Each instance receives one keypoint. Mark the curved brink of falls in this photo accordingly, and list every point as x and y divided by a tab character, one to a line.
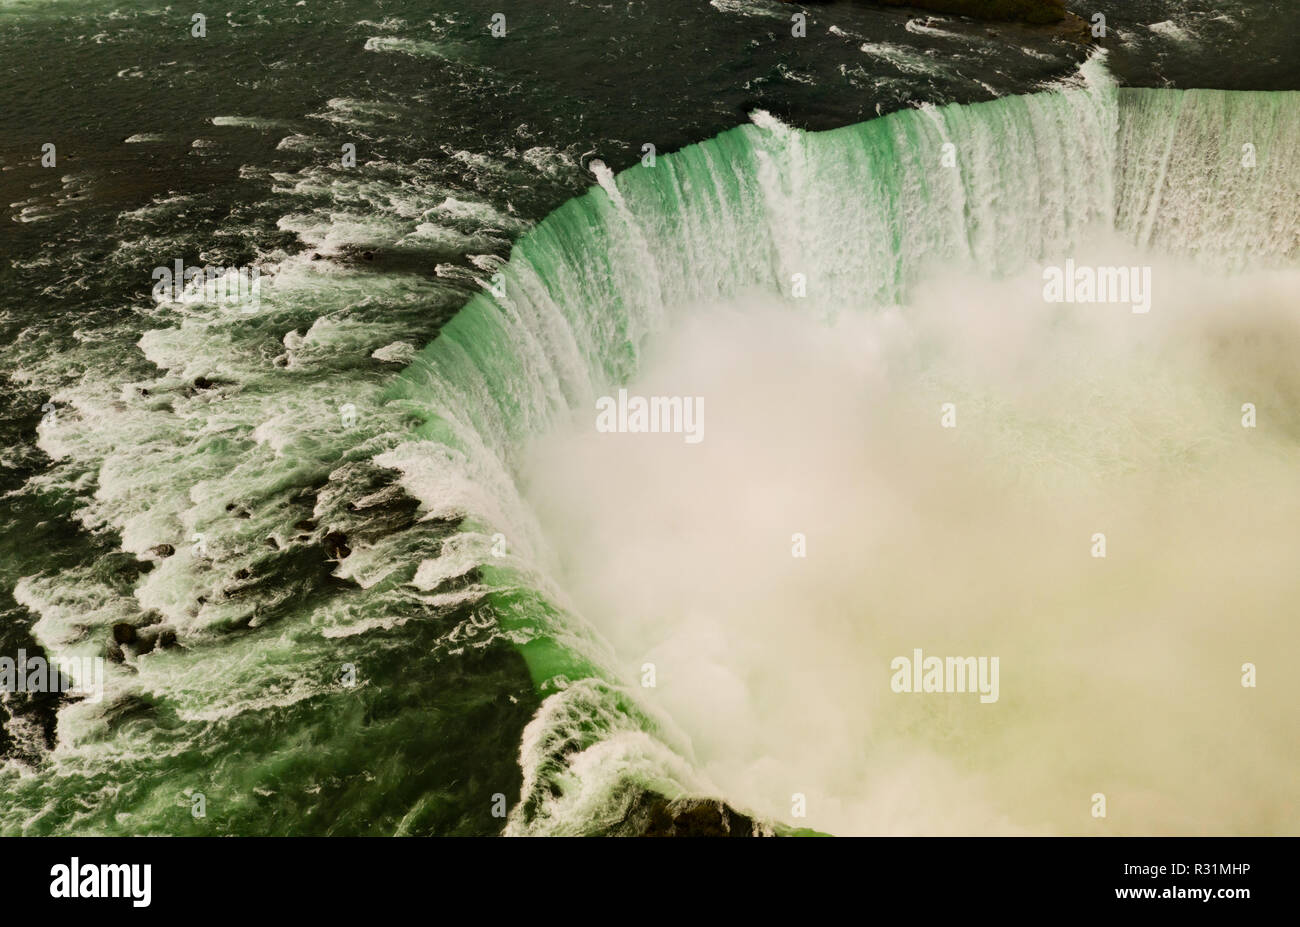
860	211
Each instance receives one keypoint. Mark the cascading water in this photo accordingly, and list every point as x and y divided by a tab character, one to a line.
866	214
902	257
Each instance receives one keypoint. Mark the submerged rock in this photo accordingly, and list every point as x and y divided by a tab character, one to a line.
158	638
336	545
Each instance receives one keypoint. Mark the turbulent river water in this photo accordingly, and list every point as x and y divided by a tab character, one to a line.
358	562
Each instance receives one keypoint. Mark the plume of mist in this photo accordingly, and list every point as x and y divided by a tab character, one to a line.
1119	675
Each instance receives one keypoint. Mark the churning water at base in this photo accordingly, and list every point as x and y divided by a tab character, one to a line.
823	418
923	287
1117	675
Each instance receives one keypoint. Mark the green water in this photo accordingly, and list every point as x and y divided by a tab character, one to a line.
404	687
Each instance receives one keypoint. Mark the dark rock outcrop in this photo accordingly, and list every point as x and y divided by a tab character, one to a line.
653	815
336	545
156	638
